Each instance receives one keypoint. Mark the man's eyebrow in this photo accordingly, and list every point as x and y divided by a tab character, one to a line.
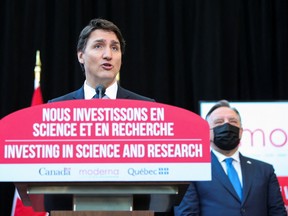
104	41
234	118
115	42
98	41
218	119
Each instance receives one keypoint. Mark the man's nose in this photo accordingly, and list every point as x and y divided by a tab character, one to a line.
107	54
226	121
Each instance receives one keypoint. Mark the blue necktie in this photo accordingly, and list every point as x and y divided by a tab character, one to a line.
233	176
96	96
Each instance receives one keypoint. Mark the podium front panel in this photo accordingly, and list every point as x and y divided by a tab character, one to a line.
102	213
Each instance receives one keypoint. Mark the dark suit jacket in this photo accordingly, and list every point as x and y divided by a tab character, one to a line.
122	93
261	193
64	202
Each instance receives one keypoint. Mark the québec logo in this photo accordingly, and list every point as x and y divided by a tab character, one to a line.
55	172
163	171
144	171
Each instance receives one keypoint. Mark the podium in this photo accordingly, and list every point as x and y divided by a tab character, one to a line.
101	198
103	153
102	213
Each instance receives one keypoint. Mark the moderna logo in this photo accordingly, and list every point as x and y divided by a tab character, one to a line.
276	137
100	172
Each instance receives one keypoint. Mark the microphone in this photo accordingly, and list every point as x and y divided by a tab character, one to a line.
100	91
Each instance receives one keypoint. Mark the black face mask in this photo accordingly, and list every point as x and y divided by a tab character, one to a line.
226	136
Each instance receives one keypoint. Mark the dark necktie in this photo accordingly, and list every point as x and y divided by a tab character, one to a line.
100	91
233	176
96	96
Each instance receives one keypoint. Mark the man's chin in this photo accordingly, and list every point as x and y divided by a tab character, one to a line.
107	81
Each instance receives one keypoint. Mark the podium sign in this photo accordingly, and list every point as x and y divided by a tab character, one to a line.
104	140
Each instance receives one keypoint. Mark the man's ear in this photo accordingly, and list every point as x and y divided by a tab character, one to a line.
80	57
81	60
240	132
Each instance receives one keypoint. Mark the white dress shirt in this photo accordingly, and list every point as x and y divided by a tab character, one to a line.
110	92
236	163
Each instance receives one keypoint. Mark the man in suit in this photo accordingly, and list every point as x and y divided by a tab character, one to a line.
259	191
99	50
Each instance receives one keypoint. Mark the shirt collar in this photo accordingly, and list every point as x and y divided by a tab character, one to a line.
110	92
222	157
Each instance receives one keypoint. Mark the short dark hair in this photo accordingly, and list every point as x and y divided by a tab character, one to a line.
99	24
222	103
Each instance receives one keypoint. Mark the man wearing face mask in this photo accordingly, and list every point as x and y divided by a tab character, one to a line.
240	186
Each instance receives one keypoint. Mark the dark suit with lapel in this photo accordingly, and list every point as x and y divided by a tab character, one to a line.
261	193
122	93
64	202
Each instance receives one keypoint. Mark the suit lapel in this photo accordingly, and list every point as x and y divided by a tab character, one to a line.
121	93
219	174
79	94
247	175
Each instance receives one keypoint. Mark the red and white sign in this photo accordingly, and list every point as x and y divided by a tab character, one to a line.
104	140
